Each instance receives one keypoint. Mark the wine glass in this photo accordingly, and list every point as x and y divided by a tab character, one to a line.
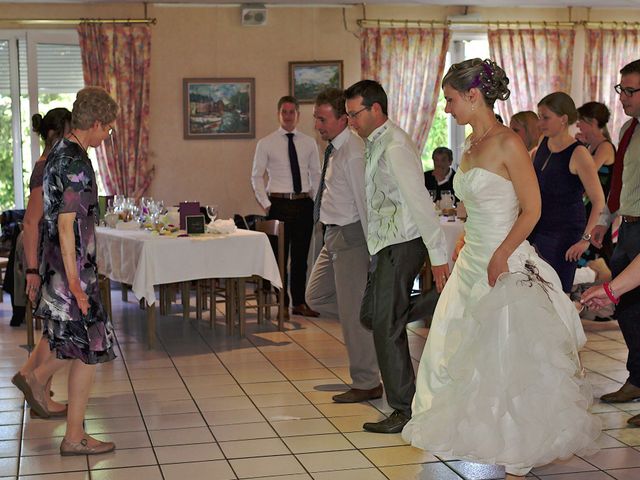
212	211
118	202
144	204
446	199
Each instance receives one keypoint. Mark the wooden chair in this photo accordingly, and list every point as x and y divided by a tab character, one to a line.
274	228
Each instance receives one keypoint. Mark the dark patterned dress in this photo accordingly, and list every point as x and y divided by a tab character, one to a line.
70	186
563	217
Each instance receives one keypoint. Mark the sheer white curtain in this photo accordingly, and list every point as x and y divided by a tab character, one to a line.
608	50
409	64
538	61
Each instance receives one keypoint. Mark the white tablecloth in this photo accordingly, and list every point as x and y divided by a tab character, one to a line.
452	231
144	260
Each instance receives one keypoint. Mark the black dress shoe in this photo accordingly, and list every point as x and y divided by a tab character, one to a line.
394	423
304	310
355	395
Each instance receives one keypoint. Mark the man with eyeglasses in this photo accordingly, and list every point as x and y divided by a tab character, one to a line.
401	226
624	201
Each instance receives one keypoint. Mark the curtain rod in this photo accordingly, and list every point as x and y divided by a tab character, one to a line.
75	21
363	22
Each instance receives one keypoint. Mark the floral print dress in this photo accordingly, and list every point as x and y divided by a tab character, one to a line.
70	187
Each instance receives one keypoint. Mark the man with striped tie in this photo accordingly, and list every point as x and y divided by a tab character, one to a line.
339	276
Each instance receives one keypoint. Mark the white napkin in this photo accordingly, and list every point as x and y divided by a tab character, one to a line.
127	226
222	226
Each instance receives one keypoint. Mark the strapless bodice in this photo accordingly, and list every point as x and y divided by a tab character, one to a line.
492	206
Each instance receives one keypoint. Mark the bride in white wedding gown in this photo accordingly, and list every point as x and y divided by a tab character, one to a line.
500	379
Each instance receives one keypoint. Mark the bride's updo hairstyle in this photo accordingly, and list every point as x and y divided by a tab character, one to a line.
485	75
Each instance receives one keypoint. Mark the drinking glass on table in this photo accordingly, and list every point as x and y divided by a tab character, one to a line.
446	199
144	204
212	212
118	202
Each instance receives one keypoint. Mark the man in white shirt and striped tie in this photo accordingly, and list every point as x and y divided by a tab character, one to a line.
339	276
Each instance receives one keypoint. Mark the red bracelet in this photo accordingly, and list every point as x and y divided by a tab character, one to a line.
609	292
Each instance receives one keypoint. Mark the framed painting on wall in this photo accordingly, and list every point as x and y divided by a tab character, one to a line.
219	108
308	79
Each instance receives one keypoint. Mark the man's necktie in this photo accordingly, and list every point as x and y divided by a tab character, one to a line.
613	202
295	166
318	200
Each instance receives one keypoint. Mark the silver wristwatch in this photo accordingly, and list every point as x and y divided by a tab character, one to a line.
586	237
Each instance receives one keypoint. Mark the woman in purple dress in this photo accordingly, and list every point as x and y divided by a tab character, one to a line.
75	321
565	171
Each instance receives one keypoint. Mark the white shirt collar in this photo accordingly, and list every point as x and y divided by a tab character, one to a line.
283	132
378	131
341	138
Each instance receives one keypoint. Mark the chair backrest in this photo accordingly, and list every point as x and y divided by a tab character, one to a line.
275	228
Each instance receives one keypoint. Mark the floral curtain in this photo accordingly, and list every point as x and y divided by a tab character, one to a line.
117	58
409	63
608	50
537	62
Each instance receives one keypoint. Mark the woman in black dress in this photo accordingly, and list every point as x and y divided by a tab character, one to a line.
565	171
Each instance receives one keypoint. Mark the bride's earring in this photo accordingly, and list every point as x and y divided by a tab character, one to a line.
473	107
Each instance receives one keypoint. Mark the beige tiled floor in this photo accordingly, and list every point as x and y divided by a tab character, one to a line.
201	405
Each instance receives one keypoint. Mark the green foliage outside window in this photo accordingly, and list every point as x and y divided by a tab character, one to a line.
438	135
6	156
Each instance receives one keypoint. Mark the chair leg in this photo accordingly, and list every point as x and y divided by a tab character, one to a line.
163	299
185	300
28	319
230	306
125	292
198	300
213	313
281	308
260	300
241	306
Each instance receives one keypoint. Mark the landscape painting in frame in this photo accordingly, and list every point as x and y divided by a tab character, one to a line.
219	108
308	79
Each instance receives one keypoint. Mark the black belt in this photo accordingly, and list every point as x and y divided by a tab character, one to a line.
290	196
630	219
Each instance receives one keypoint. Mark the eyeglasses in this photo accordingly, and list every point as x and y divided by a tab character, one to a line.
354	115
628	91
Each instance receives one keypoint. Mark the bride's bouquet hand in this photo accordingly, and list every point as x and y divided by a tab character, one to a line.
497	266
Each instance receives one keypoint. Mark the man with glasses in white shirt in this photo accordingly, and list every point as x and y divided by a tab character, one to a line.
339	276
624	201
401	225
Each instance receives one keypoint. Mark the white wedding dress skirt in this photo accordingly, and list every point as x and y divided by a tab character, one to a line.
500	379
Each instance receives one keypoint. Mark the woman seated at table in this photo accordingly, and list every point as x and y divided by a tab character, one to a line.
441	177
75	321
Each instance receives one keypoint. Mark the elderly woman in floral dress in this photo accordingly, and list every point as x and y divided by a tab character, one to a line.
75	321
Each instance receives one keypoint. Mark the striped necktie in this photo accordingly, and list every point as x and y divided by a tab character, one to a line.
318	199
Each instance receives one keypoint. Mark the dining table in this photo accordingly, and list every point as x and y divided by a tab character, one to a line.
145	260
453	228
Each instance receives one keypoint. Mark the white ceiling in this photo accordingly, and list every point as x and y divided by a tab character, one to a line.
479	3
